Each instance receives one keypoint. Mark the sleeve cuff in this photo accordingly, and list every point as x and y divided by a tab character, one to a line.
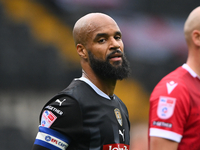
165	134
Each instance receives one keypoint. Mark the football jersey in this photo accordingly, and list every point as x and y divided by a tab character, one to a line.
175	108
82	117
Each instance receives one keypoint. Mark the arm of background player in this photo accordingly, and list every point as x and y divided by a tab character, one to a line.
157	143
159	134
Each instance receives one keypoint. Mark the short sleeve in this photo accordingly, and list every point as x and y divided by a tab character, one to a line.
63	114
169	109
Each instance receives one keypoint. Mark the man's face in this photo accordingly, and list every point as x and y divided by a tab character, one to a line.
102	38
105	49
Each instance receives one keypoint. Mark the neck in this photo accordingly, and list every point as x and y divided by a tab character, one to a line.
193	62
105	85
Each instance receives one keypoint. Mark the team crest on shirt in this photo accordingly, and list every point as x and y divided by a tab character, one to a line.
118	116
166	107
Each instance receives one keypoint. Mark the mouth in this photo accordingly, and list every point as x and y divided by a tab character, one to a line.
116	56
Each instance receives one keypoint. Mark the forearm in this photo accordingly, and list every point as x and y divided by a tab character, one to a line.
157	143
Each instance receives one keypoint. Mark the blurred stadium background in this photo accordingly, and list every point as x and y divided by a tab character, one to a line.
38	57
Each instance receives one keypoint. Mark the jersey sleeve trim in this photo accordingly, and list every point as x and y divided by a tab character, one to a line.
51	139
165	134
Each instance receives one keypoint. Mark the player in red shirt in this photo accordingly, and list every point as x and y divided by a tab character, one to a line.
174	118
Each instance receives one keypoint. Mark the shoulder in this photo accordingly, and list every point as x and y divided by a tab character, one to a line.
172	92
70	94
172	84
121	103
76	84
58	115
58	107
119	100
60	104
76	89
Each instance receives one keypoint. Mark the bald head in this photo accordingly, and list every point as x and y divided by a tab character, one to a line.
87	24
192	23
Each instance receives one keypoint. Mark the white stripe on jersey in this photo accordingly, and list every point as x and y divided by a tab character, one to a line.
51	140
165	134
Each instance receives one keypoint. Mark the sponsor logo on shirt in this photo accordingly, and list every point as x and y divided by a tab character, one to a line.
122	134
54	110
118	116
60	102
165	107
116	147
47	118
54	141
43	138
162	124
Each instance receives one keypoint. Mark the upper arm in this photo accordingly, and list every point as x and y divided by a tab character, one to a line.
38	147
60	124
157	143
168	111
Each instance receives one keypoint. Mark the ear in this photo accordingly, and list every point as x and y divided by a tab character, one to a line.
196	37
82	52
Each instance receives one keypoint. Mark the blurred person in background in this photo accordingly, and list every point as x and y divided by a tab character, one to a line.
174	118
87	114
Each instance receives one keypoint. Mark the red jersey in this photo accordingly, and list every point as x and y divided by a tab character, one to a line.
175	108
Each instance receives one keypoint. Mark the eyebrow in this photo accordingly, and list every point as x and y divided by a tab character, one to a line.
105	35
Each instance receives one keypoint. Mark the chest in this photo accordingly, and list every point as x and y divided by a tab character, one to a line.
194	114
105	121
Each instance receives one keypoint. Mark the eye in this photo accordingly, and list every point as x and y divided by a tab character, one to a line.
117	37
101	40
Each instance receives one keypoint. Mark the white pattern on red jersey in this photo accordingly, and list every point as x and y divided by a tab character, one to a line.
170	86
166	107
183	126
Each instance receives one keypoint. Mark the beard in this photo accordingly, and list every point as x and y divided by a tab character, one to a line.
105	70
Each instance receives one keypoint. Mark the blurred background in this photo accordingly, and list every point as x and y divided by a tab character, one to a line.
38	57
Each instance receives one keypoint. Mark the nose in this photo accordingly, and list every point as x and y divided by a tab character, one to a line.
114	44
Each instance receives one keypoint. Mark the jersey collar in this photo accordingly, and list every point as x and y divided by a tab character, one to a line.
96	89
186	67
